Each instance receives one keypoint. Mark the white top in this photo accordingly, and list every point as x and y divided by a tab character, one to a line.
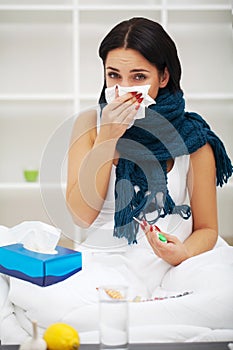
100	234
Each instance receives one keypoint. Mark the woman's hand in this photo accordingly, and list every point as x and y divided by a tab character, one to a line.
173	251
119	114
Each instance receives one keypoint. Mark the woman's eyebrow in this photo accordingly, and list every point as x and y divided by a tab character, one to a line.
131	71
112	68
139	70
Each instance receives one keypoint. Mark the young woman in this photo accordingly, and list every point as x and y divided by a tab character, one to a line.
139	154
107	153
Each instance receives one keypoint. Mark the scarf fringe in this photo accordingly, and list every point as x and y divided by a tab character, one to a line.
183	210
224	169
131	230
128	228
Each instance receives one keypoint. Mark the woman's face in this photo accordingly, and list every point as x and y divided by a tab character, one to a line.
127	67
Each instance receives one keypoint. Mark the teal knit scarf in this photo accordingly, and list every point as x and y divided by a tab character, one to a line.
166	132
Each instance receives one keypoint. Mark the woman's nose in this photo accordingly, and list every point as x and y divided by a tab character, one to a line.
126	82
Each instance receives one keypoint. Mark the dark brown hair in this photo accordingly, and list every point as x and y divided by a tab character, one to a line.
151	41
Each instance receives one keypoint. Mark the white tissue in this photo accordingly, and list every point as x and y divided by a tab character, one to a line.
36	236
147	100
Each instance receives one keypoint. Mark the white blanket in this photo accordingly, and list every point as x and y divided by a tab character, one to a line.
196	299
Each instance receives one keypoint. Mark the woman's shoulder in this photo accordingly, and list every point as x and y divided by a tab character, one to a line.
202	163
85	122
86	118
204	155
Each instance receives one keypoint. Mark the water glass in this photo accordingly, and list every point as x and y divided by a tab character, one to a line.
113	317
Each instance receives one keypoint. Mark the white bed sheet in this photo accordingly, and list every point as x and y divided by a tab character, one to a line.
206	314
17	327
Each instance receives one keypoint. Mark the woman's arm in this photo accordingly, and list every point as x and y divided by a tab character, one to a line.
203	197
202	191
91	155
88	170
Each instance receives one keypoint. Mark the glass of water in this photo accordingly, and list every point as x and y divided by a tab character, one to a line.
113	317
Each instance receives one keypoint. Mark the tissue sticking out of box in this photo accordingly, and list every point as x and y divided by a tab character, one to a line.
37	268
40	237
31	253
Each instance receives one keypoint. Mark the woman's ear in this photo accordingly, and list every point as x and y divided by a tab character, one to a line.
164	78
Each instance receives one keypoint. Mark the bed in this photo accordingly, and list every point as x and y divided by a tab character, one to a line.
194	303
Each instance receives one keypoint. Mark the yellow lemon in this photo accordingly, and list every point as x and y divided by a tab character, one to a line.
61	336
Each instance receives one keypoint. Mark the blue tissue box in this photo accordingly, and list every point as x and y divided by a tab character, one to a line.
38	268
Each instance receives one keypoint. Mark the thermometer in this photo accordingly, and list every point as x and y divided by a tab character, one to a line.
160	236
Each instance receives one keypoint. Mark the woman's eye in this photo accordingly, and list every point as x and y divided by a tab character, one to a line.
113	75
140	76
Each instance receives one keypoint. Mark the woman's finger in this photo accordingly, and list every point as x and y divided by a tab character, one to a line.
170	238
128	114
121	101
116	92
